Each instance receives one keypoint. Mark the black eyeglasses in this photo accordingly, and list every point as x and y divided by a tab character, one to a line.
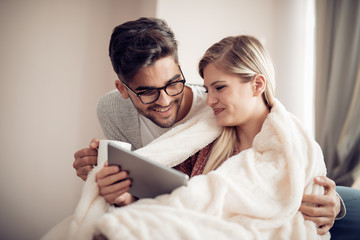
152	95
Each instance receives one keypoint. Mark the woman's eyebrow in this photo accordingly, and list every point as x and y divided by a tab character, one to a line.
213	83
216	82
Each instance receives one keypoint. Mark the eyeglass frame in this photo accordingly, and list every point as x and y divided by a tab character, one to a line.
159	89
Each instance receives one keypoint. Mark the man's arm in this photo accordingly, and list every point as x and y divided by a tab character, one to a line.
322	209
86	159
114	185
112	182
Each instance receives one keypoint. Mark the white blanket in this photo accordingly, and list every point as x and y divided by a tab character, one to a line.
255	194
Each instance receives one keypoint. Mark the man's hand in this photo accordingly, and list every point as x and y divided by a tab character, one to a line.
321	209
86	159
114	185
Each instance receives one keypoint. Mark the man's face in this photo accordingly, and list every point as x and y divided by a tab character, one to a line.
164	111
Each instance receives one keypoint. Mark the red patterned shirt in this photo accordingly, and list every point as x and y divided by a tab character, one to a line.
195	164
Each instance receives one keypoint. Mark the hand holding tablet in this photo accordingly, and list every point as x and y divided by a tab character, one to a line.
149	179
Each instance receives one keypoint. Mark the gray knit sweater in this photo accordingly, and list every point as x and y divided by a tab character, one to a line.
119	119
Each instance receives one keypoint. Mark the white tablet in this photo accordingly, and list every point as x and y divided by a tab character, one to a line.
149	179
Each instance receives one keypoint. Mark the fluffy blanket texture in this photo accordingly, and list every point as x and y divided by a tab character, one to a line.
255	194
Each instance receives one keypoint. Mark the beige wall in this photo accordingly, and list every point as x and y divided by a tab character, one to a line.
54	67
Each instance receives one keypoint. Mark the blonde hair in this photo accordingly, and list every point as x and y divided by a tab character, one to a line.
244	56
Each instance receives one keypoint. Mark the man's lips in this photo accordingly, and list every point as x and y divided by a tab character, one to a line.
217	110
162	110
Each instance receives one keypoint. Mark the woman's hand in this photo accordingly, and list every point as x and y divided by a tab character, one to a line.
321	209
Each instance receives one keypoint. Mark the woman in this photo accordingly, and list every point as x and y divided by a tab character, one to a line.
251	172
239	79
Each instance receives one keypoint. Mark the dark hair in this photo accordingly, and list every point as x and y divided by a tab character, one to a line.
137	44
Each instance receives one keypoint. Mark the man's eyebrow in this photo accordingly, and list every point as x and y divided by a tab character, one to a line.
144	88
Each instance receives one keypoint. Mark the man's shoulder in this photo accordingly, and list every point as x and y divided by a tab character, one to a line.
111	96
112	103
199	94
196	87
119	118
198	91
113	100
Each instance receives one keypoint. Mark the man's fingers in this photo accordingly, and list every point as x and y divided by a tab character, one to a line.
84	157
85	161
122	186
318	211
321	209
124	199
112	183
82	172
94	144
83	177
313	199
85	152
104	174
307	210
323	224
112	197
327	183
319	221
320	200
322	230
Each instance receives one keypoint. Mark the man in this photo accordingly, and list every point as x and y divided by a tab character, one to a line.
150	99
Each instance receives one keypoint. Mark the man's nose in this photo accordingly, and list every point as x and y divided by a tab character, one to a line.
164	99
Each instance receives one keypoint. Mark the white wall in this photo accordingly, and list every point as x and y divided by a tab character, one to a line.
199	24
54	67
280	24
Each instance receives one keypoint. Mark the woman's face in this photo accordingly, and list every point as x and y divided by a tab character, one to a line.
232	100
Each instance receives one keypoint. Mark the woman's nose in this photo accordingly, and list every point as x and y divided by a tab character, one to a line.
211	100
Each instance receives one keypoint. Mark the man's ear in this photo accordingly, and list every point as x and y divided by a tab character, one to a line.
122	89
259	84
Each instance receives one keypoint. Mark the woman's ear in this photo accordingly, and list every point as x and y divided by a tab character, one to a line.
122	89
259	84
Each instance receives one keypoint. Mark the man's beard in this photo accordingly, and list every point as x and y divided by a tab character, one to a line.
163	123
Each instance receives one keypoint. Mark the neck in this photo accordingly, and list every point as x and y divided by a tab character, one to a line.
185	103
247	131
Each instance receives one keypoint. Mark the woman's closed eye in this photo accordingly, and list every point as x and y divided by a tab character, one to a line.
220	87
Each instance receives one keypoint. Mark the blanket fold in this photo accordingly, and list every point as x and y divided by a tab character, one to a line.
255	194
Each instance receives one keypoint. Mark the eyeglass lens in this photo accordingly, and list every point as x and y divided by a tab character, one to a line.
172	89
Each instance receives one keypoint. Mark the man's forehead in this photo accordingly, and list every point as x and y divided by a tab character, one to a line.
160	73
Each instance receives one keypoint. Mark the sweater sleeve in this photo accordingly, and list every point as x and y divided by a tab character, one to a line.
105	113
119	119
